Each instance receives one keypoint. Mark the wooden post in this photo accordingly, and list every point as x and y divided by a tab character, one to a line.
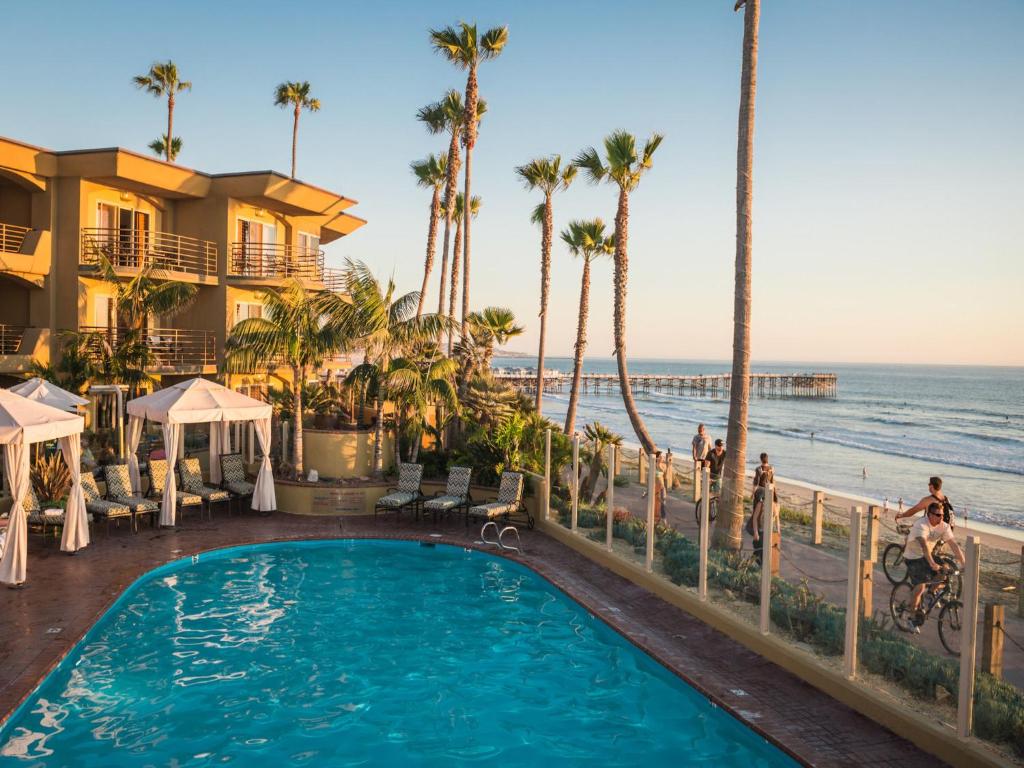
817	516
874	524
696	481
546	504
705	524
641	469
609	498
992	641
649	559
968	639
867	569
575	481
1020	586
767	554
618	461
853	593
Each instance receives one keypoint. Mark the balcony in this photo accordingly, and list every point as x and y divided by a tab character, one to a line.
172	350
21	345
261	262
171	256
12	237
10	338
334	280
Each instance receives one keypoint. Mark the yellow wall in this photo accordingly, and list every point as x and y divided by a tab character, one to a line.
342	454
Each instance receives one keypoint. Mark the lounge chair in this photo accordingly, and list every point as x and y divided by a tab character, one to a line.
119	490
509	503
233	479
407	493
456	494
191	475
100	507
185	501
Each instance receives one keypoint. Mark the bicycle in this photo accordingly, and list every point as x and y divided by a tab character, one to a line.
712	504
901	600
895	566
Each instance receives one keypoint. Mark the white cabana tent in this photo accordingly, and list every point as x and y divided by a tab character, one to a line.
199	401
44	392
23	422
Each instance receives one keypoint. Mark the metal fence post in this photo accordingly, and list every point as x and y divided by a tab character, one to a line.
853	593
575	480
705	524
546	505
817	516
969	639
767	555
609	498
649	559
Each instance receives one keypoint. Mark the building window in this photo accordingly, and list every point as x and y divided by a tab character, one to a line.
245	309
309	245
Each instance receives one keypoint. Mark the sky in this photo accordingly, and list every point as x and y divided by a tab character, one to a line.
887	202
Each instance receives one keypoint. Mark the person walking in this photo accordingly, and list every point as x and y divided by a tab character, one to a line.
701	446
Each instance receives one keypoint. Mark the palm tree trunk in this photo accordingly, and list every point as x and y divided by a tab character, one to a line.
728	526
596	465
298	376
170	125
621	282
378	441
295	137
414	452
435	212
545	286
450	192
455	280
581	344
470	128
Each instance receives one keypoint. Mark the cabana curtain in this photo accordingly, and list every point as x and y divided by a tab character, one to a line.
76	518
134	436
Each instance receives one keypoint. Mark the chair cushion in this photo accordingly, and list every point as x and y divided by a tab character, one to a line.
396	499
119	483
445	502
212	494
89	487
494	509
232	469
191	475
185	499
240	488
107	509
138	505
458	481
157	475
409	477
511	488
31	503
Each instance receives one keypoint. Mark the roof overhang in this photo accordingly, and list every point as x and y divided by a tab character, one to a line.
271	190
136	173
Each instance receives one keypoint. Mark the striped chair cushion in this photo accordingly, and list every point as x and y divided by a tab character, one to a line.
89	487
458	481
444	503
192	482
409	477
494	509
240	488
119	484
231	468
511	488
396	499
31	503
107	509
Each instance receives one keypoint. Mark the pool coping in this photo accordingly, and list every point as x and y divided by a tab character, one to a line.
549	571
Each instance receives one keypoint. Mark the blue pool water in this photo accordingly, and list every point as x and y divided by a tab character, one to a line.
363	653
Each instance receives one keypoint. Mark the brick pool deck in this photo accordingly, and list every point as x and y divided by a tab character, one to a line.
65	595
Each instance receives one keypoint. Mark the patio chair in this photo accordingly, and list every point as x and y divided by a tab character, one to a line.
100	507
509	502
119	490
186	501
233	479
407	493
456	494
191	475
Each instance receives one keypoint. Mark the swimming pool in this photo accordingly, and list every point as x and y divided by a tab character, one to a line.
363	653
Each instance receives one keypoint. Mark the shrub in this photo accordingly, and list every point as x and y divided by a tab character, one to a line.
621	481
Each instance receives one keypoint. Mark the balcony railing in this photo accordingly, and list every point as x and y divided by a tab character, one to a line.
131	249
274	261
334	280
11	237
10	338
170	348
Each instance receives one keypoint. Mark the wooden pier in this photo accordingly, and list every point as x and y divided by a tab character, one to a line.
710	385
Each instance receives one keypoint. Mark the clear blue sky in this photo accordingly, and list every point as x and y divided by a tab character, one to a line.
888	203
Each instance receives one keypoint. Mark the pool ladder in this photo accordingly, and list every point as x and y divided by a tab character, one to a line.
499	539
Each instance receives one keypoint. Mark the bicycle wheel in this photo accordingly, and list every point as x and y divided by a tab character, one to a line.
949	626
956	581
713	508
893	564
900	609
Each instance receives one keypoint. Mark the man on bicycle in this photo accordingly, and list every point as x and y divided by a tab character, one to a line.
935	496
716	460
921	567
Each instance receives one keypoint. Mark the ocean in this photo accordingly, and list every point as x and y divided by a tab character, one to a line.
888	430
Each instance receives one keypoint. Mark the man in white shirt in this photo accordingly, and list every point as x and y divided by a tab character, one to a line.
921	566
701	445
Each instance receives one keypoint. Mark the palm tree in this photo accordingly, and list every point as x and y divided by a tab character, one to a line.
430	173
162	80
587	240
730	520
622	167
487	329
385	326
295	95
547	175
417	381
459	216
598	438
464	48
292	332
159	147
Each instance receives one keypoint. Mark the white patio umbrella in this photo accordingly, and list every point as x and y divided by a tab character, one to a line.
43	391
23	422
199	401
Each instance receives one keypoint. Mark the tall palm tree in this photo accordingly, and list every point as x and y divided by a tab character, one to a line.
586	239
295	95
465	48
547	175
385	326
430	173
489	328
162	80
292	332
459	216
159	147
447	115
623	167
729	523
